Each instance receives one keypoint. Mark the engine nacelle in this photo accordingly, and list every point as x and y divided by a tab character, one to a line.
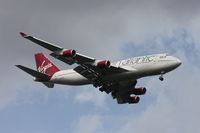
133	99
139	91
103	63
68	53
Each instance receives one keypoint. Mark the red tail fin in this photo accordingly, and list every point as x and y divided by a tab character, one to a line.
44	65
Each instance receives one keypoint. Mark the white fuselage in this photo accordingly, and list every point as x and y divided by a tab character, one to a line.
137	67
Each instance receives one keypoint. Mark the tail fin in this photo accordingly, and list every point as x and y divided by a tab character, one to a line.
44	65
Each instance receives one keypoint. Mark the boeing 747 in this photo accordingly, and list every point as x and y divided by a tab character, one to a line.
118	78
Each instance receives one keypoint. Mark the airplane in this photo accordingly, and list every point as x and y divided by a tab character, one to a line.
118	78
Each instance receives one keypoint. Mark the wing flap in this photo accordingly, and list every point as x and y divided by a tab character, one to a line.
87	72
96	75
80	58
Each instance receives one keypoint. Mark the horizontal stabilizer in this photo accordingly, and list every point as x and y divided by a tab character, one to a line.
33	72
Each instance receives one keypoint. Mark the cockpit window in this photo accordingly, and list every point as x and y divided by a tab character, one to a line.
163	56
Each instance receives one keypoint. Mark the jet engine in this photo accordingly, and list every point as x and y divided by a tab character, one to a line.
68	53
133	99
103	63
139	91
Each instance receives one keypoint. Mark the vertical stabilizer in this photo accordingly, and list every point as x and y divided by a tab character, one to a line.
44	65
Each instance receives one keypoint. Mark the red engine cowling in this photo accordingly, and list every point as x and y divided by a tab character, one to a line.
139	91
103	63
68	53
134	99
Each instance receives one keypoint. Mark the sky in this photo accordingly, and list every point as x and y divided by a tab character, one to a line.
106	29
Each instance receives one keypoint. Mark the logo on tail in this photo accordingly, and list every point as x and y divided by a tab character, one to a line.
44	65
43	68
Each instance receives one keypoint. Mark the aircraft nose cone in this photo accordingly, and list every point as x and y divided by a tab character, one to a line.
178	62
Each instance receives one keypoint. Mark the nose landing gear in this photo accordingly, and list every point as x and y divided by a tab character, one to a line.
161	78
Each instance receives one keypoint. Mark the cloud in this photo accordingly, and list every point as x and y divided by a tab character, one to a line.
175	110
88	95
88	124
176	106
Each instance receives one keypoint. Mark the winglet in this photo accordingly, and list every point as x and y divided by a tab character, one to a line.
23	34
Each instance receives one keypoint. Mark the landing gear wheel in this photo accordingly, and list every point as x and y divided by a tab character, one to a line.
161	78
113	94
101	89
97	84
